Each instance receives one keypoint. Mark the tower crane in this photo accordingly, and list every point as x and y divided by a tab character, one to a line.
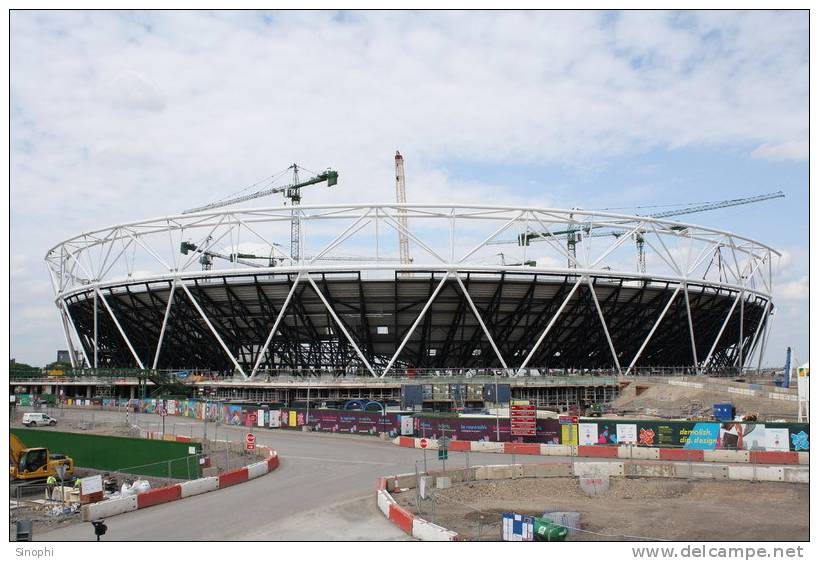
207	256
401	198
250	259
292	192
574	233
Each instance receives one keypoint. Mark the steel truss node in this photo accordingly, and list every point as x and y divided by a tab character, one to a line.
133	299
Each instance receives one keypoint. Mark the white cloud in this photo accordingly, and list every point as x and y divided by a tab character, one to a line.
798	289
38	313
132	90
17	267
791	150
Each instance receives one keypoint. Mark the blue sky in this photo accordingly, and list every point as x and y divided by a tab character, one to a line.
117	116
669	177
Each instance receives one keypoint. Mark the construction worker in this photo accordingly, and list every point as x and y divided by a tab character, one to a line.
51	483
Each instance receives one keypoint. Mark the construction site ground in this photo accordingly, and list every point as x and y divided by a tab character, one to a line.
631	510
646	397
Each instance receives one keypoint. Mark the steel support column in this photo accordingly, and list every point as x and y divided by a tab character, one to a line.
341	326
164	324
691	328
480	321
275	325
741	331
76	332
653	329
96	332
551	324
72	353
119	328
603	322
414	324
719	335
762	319
212	330
765	336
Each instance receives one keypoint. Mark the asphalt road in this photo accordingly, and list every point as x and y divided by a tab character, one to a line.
322	490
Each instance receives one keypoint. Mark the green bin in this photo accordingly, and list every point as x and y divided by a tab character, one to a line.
548	531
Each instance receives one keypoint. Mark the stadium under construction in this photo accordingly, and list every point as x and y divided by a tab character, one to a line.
555	304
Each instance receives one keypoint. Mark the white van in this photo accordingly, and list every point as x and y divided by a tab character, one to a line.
38	419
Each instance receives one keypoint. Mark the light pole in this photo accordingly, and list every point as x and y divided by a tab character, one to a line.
307	416
497	411
383	415
205	419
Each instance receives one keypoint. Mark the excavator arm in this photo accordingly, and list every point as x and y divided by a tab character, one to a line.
16	448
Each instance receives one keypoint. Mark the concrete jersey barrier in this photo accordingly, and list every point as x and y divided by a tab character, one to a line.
160	495
621	452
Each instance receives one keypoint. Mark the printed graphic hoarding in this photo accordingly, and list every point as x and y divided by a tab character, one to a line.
701	435
587	434
626	433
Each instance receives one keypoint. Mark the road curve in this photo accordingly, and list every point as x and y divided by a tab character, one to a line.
322	490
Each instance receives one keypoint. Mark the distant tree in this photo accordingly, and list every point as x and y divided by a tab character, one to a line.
59	366
14	365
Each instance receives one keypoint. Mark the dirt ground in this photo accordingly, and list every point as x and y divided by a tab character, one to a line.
666	400
667	509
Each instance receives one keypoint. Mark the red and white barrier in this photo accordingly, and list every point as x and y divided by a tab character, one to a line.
764	457
401	517
198	486
232	477
681	454
111	507
160	495
429	532
257	469
620	452
732	456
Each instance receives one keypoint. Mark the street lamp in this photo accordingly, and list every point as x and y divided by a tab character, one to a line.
307	417
383	414
497	409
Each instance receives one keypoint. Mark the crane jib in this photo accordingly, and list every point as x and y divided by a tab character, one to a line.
524	239
330	176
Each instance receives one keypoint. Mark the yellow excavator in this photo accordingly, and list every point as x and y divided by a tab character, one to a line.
35	463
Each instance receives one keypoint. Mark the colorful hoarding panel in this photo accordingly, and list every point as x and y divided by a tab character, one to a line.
707	435
568	435
699	435
355	422
799	441
587	434
485	429
777	440
626	433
